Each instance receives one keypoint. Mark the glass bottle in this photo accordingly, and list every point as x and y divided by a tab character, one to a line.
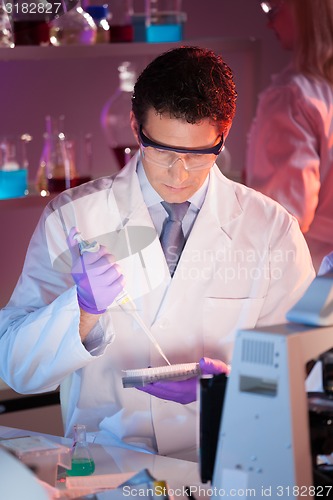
76	27
57	170
115	116
6	32
100	15
164	20
31	22
82	461
121	28
13	171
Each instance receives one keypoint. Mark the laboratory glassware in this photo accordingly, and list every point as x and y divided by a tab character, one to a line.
56	169
6	32
13	169
121	28
115	116
82	460
100	15
75	27
31	21
164	20
58	163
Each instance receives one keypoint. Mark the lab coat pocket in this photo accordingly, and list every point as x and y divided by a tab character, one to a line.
222	318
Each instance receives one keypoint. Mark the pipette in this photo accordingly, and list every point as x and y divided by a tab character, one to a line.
123	299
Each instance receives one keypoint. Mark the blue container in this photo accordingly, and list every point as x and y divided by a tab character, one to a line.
13	183
164	33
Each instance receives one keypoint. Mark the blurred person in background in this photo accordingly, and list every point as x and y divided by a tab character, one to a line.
290	144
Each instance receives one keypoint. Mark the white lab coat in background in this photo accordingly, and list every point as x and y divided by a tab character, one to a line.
290	154
245	263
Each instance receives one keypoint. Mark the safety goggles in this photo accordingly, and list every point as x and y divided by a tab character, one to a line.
166	156
271	8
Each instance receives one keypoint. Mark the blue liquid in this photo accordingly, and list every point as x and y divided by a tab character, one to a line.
13	183
164	33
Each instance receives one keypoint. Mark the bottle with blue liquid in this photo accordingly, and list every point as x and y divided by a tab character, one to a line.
13	169
164	20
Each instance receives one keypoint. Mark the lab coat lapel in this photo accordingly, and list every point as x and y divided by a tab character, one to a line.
127	193
132	208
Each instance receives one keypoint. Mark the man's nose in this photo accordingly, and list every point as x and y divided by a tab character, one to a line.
178	171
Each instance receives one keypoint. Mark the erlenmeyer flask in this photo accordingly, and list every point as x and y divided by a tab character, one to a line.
82	461
115	116
56	171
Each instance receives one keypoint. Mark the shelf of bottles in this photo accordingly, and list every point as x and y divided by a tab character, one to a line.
108	52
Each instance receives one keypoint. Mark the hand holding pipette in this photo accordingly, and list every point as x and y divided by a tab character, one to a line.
96	275
101	283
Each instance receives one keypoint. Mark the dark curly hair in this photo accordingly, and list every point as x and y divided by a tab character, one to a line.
188	83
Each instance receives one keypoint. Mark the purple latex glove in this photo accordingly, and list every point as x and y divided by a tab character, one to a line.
98	279
185	391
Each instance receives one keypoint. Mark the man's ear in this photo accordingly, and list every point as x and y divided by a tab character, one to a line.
226	133
134	126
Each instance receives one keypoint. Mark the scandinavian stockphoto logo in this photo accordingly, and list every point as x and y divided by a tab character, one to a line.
136	249
34	10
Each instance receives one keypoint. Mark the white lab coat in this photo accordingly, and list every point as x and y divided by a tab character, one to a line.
244	264
290	154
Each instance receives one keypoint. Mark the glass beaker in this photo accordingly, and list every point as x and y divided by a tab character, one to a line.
13	170
82	461
121	28
31	22
115	116
79	150
164	20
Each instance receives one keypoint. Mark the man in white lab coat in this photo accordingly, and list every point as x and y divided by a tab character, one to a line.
244	264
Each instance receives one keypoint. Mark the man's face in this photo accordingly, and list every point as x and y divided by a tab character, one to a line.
176	184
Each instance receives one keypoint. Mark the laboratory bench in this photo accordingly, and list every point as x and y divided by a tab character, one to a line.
120	461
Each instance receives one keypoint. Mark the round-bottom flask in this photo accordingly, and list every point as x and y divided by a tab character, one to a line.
75	27
115	117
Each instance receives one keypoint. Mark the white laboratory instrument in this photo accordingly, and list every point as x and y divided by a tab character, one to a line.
264	439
